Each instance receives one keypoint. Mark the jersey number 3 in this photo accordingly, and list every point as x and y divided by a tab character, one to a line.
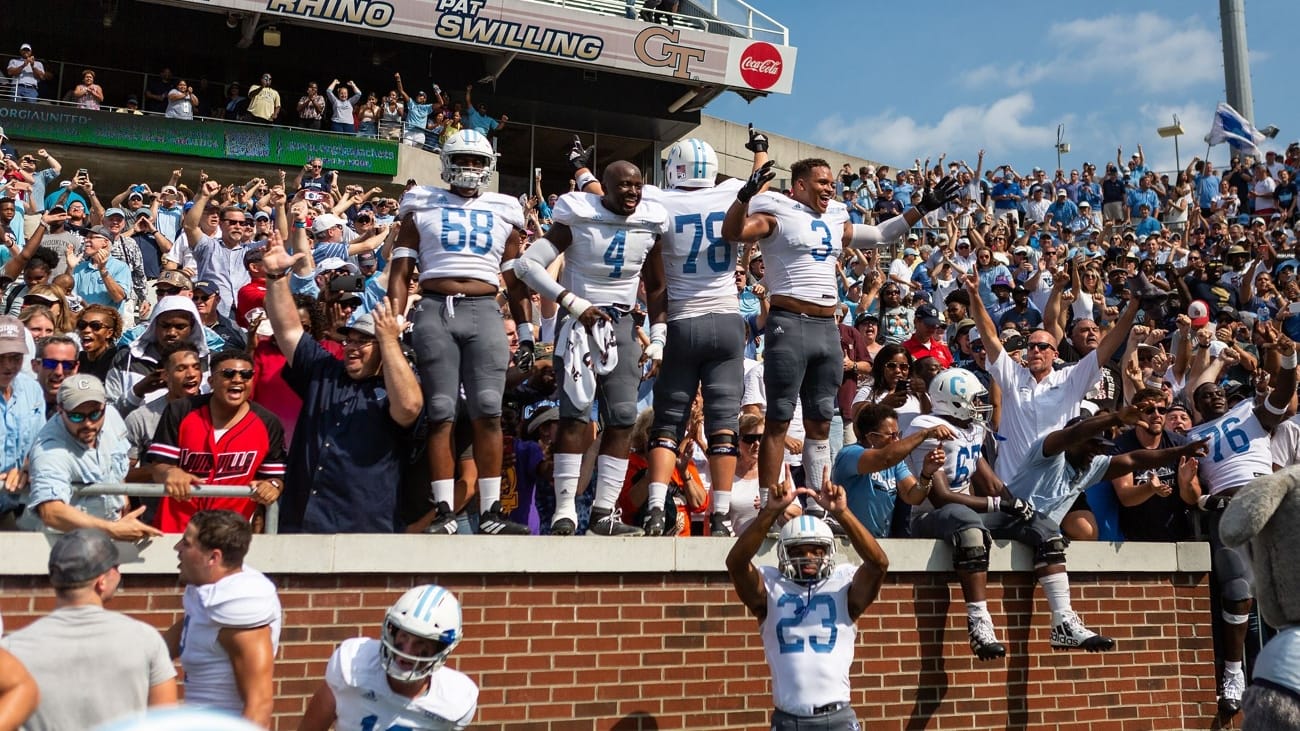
719	253
466	226
820	254
804	611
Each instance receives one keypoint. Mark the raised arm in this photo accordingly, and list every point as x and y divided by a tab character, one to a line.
1115	336
983	322
404	397
280	308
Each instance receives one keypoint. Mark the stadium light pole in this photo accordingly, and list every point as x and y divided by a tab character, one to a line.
1062	147
1173	130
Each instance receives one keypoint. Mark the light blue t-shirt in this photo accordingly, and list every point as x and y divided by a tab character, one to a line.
871	497
60	464
89	283
21	417
1052	484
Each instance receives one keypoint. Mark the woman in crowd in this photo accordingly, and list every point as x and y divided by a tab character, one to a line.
368	114
342	117
746	497
56	301
891	385
89	95
181	101
98	328
235	102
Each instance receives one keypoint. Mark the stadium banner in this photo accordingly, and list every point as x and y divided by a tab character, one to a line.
198	138
546	30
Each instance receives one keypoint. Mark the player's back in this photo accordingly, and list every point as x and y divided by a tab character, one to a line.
699	265
363	699
603	263
462	237
802	249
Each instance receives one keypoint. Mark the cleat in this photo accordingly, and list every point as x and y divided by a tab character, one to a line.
494	523
563	527
1068	633
1234	686
983	641
610	523
653	524
720	526
444	523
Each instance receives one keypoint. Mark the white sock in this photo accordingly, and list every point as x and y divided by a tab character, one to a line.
658	494
444	491
816	457
611	472
721	501
1232	666
975	610
565	472
1056	588
489	492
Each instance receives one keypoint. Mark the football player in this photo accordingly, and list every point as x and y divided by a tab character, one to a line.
801	236
608	241
704	338
807	607
1240	450
461	236
951	511
401	680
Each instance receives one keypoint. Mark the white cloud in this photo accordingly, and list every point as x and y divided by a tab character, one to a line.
1000	128
1143	51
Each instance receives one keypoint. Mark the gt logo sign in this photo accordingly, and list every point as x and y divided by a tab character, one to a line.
760	65
666	51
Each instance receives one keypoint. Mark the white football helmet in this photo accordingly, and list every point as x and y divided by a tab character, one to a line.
691	163
956	392
802	531
429	612
468	142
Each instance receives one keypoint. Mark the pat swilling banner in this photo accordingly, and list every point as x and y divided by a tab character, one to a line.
549	31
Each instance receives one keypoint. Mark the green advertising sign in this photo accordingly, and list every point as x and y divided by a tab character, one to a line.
197	138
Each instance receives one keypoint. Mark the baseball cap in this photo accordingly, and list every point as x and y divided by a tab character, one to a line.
206	287
1002	281
865	317
909	251
168	188
329	264
49	297
1085	204
25	47
364	324
1199	311
81	389
542	418
928	315
132	100
134	194
116	211
11	336
254	253
99	231
965	325
1019	289
1257	221
325	222
80	556
367	258
912	237
1022	250
261	216
1060	193
175	278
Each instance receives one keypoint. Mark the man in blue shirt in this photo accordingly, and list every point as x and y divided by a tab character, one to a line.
1006	194
1142	195
1146	224
99	278
22	411
476	118
1063	211
1206	184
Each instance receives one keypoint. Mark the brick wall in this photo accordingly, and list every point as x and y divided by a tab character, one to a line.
676	650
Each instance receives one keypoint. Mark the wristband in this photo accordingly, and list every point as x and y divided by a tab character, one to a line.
525	332
404	252
659	333
300	224
1270	408
574	304
991	506
1289	361
586	179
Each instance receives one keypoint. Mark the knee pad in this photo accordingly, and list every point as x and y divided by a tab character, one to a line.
723	445
622	415
970	549
662	442
441	408
1051	551
1237	590
1233	575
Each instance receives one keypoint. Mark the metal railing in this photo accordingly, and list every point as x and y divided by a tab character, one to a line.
157	490
741	21
740	15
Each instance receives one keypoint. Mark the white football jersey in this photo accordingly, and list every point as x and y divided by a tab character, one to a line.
699	265
364	700
243	600
603	262
961	455
462	237
808	639
1240	449
802	250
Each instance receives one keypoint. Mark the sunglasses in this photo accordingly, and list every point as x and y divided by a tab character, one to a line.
887	435
1156	410
244	373
77	417
201	298
237	222
167	291
977	347
351	343
94	325
50	364
751	438
1041	346
898	366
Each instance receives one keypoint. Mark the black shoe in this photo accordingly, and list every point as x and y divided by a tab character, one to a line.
720	526
493	522
983	640
653	523
610	523
444	523
1234	686
563	527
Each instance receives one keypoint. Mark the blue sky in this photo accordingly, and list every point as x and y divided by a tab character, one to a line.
896	81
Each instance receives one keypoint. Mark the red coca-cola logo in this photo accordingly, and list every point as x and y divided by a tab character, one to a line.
761	65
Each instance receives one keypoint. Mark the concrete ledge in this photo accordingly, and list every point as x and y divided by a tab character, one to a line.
27	554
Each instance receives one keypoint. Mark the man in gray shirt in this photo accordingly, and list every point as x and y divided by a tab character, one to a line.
92	665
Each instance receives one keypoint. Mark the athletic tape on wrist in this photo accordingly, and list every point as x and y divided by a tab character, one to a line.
404	252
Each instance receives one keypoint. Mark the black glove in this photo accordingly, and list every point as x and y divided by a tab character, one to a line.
757	141
1018	509
756	181
524	356
944	192
579	156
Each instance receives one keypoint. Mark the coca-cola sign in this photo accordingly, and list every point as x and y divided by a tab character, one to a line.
761	65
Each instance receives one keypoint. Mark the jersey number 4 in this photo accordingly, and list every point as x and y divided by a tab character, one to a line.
463	227
614	254
368	724
790	643
719	252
